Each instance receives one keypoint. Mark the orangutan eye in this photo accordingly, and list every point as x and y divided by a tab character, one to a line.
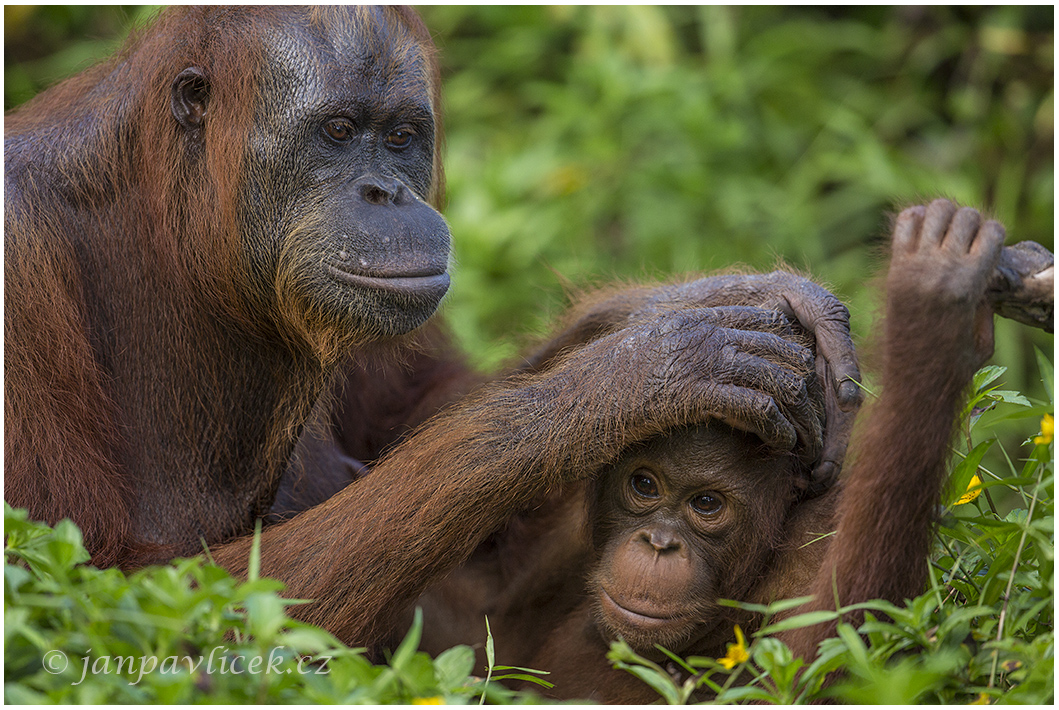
643	485
400	139
339	130
707	503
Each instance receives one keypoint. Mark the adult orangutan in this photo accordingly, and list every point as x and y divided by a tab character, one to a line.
685	518
200	231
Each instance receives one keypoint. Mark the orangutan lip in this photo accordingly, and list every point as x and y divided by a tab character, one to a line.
635	617
408	285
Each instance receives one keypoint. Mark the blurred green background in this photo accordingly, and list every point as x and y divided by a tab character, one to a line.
585	144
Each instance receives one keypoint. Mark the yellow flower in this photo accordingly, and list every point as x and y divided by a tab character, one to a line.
736	651
436	700
982	699
1047	430
973	489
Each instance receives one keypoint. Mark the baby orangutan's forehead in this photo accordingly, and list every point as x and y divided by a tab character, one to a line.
706	446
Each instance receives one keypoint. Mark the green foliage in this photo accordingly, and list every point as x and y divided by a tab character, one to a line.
982	632
188	632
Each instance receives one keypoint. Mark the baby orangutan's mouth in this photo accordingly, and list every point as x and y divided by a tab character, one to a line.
646	625
638	619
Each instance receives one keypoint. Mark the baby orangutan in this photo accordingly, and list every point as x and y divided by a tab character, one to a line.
679	522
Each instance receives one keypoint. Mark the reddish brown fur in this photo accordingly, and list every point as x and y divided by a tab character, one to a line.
494	452
150	397
81	481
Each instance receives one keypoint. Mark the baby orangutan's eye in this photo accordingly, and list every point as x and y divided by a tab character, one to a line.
643	485
708	503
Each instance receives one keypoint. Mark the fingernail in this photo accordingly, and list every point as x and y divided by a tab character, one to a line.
848	392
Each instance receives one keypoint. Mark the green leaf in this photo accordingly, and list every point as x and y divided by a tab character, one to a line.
266	615
490	658
1044	366
801	620
964	471
519	668
453	666
857	651
767	609
490	654
749	694
253	568
1010	397
526	677
660	682
676	659
408	647
986	375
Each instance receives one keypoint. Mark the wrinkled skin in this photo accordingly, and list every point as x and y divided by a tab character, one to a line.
805	303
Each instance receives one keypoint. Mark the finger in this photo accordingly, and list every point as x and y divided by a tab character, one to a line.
936	222
750	371
752	411
837	365
850	395
809	427
962	230
836	441
988	242
771	347
826	317
753	318
787	389
906	230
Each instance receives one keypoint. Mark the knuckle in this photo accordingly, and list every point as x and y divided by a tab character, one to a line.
941	204
912	212
994	229
837	311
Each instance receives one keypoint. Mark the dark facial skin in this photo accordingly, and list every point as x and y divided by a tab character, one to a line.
676	521
352	140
